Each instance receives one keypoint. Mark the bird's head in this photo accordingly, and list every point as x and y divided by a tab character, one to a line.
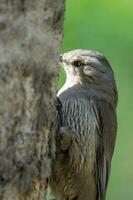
87	67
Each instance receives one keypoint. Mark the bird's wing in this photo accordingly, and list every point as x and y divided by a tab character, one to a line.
81	113
105	115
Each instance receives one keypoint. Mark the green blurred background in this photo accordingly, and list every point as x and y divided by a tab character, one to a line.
107	26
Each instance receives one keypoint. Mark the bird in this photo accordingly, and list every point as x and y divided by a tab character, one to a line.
86	137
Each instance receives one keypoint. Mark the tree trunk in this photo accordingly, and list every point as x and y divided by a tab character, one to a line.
30	36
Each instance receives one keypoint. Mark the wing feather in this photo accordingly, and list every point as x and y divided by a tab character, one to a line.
105	141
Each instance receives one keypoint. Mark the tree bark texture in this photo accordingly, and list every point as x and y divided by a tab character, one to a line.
30	36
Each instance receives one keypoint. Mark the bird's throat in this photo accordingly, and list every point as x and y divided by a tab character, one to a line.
69	83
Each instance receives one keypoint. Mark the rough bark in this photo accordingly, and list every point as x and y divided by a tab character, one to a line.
30	36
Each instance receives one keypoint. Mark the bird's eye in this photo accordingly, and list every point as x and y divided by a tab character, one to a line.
77	63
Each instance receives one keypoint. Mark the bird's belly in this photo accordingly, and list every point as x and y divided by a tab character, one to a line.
71	177
74	173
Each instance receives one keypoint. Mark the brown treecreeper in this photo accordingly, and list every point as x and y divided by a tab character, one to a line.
86	140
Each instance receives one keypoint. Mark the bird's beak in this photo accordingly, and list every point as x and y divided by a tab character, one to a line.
60	59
